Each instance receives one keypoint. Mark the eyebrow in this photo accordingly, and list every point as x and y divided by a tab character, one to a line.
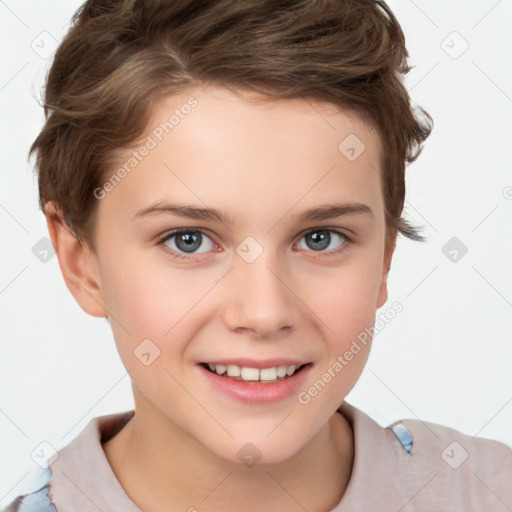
322	212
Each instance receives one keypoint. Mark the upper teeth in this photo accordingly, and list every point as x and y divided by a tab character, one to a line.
246	373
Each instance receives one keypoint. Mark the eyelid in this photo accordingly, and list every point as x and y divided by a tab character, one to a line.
176	231
345	232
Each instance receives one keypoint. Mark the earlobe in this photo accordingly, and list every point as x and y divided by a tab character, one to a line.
77	263
383	293
382	296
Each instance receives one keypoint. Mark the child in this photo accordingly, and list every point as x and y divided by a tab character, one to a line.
194	155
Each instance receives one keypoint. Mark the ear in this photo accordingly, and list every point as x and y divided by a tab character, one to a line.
382	296
78	263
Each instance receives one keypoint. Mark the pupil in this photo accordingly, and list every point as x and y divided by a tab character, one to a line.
321	238
188	242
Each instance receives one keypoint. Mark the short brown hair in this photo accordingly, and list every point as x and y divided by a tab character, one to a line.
120	57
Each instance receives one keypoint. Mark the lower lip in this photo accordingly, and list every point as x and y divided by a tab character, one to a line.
256	392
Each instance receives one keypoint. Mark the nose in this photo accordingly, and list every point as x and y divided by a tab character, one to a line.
260	301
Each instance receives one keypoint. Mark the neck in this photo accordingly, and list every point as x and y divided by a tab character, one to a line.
170	470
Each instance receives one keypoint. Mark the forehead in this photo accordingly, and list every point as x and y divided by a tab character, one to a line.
212	146
219	116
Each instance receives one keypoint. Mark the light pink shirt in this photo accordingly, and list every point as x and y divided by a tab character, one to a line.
441	470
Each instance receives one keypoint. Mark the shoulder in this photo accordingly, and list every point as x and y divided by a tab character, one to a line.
413	465
456	447
432	443
34	497
455	468
77	475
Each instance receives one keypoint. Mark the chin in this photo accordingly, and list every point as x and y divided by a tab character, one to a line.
259	451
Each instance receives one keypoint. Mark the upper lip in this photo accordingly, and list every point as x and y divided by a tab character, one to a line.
255	363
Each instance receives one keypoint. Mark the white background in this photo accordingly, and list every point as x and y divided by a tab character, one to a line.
446	358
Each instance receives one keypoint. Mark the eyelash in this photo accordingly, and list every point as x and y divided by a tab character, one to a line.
335	252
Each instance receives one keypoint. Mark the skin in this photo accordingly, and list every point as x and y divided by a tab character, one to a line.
262	163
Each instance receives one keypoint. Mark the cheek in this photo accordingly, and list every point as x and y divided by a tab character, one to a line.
345	313
345	299
150	296
156	302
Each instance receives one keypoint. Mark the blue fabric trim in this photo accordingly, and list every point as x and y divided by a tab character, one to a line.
34	497
37	479
36	502
404	435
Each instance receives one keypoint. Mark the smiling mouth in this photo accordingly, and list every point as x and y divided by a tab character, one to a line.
248	374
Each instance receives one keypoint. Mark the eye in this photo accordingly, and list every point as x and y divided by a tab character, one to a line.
186	241
318	240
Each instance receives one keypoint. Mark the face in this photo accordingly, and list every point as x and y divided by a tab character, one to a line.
261	283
